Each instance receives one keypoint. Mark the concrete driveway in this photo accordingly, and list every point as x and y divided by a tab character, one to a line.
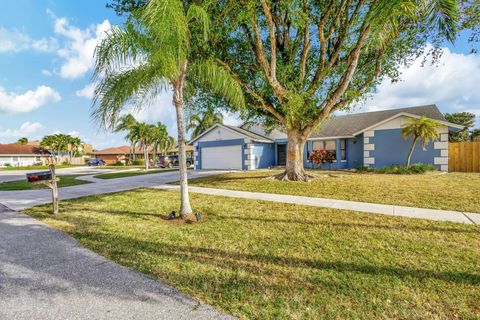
45	274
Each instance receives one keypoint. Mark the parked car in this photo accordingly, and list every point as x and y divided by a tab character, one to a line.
95	162
172	161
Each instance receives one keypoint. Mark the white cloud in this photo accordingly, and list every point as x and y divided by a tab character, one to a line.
27	101
74	133
16	41
79	48
87	91
46	73
453	85
27	129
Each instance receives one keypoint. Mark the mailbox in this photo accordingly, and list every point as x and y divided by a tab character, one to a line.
39	176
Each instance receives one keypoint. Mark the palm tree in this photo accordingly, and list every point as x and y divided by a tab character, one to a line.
73	147
202	121
159	137
162	46
23	140
125	123
141	133
422	128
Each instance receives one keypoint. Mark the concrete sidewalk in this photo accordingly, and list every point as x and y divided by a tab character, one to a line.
45	274
391	210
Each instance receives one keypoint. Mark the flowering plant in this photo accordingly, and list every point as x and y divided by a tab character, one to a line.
319	157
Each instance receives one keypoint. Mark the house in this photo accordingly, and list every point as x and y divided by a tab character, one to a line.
363	139
19	155
122	153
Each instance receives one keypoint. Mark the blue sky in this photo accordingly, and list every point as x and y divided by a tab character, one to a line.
45	72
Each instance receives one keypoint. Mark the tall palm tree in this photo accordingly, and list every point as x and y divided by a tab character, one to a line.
141	133
201	121
424	129
162	45
126	123
23	140
159	137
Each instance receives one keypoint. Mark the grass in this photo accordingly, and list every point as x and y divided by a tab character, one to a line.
264	260
62	166
119	167
452	191
65	181
115	175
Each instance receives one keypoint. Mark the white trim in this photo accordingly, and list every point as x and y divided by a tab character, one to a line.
329	138
368	147
366	154
440	160
444	167
229	129
440	145
366	140
369	133
369	160
444	137
444	153
406	114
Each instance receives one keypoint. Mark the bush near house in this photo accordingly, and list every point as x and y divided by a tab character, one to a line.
320	157
416	168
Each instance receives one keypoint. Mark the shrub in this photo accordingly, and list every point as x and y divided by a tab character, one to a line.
138	162
319	157
416	168
119	163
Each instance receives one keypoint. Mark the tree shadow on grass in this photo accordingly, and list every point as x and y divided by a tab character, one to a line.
353	225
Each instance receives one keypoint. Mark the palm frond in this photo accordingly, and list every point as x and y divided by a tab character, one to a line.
219	80
134	87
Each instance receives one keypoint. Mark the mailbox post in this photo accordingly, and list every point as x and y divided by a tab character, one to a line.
48	178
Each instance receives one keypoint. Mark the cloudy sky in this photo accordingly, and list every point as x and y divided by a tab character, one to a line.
46	49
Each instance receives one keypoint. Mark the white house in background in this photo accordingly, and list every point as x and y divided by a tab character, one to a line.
19	155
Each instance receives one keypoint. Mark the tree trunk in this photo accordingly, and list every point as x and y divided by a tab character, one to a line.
294	170
54	188
145	154
411	152
178	85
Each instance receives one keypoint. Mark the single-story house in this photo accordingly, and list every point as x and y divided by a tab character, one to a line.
19	155
122	153
363	139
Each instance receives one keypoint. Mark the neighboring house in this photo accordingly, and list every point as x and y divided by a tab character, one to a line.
18	155
363	139
122	153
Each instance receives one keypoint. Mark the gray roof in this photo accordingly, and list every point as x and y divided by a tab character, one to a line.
250	134
339	126
348	125
273	134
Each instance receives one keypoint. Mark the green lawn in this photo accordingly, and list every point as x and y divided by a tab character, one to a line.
65	181
115	175
451	191
264	260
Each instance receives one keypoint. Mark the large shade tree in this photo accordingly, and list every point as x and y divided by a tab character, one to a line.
162	45
299	61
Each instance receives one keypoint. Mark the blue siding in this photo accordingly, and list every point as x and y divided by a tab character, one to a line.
264	154
392	149
355	152
219	143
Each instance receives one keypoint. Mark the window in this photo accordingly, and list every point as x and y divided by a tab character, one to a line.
15	159
343	149
38	159
327	145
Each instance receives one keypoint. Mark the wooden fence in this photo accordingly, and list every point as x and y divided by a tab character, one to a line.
464	156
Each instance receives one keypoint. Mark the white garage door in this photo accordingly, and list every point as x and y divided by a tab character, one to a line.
227	157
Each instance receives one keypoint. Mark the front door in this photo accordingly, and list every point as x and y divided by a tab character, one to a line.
281	154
